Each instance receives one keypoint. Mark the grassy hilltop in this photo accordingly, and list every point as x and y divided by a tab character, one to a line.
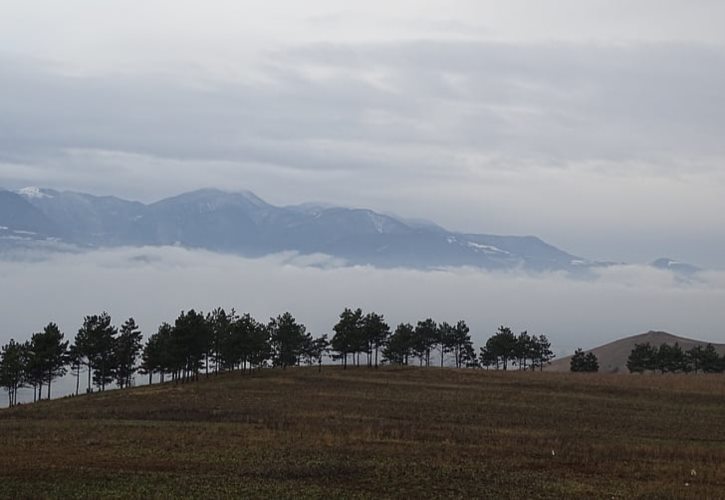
376	433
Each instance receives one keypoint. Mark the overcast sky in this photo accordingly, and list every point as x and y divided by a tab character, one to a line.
596	125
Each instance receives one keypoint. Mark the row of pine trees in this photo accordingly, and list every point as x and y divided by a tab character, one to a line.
674	359
102	354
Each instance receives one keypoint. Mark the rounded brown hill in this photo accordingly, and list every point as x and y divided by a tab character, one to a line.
613	356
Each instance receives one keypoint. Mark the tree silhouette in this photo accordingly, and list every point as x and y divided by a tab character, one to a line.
220	324
501	348
287	338
94	342
584	362
542	352
189	342
126	349
399	346
375	331
348	334
425	339
671	358
50	350
75	360
12	370
642	358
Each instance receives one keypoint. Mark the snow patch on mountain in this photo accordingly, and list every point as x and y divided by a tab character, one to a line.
486	248
33	192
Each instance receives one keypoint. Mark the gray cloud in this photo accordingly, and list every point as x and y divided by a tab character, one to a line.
555	104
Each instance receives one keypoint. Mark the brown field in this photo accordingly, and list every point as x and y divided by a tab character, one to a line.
364	433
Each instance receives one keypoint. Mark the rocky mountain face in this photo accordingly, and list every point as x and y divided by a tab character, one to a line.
242	223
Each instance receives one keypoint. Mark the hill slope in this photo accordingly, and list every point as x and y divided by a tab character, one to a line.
365	433
613	356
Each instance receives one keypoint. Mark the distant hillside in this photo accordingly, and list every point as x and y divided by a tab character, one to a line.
613	356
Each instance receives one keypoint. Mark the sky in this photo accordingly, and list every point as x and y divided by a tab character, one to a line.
595	125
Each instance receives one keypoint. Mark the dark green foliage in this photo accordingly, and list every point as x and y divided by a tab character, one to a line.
526	351
12	369
642	358
315	349
457	341
399	346
94	343
45	358
374	332
672	359
189	345
127	347
500	349
157	354
287	339
348	338
581	362
542	353
705	359
425	339
75	361
247	343
357	333
220	351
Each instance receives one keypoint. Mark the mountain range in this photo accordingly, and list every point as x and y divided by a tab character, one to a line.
244	224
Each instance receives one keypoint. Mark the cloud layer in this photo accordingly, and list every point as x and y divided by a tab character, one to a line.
154	284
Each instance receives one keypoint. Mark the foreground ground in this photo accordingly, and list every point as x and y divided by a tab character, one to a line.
376	433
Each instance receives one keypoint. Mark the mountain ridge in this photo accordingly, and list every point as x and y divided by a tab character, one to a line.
241	222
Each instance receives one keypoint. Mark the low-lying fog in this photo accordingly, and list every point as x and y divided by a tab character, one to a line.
154	284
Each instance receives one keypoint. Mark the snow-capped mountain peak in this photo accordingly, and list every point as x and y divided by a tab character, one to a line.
33	192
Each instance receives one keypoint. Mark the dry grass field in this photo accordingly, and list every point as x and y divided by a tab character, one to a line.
386	433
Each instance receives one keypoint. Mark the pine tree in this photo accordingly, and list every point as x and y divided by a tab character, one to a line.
94	342
12	370
287	339
500	348
399	346
127	347
347	336
584	362
542	352
425	339
375	331
642	358
51	350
